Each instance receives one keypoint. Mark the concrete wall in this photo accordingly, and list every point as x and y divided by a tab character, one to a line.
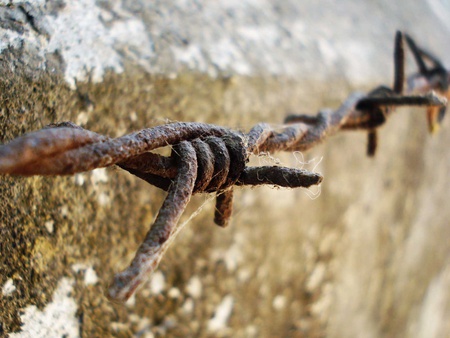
369	257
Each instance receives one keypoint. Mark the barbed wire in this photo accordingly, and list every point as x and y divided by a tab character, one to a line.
211	159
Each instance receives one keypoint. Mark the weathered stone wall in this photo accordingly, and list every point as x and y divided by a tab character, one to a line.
369	257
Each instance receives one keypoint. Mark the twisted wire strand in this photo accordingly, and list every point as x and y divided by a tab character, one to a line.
149	253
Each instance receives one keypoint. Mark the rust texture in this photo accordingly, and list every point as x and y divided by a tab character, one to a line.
211	159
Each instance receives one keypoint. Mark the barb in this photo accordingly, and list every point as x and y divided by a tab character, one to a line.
149	253
433	76
211	159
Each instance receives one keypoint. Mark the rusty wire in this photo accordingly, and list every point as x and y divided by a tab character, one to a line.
212	159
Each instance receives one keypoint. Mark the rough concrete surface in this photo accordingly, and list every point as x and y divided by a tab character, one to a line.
368	257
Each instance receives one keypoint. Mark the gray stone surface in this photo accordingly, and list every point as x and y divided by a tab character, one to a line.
369	257
317	39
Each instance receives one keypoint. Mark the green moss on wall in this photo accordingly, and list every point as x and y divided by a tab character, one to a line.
49	224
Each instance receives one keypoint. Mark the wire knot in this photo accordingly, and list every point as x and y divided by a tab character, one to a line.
221	161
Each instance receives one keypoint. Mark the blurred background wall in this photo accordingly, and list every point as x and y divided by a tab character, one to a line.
368	257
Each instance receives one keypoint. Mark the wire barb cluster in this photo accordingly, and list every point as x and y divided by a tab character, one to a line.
212	159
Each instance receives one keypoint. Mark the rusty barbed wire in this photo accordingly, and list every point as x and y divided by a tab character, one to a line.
212	159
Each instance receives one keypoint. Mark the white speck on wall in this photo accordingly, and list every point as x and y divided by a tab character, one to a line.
82	118
174	293
169	322
131	302
133	116
79	179
142	323
50	226
99	175
233	257
77	267
194	287
321	307
119	327
223	312
64	210
57	319
244	275
316	277
251	331
103	199
279	302
188	306
8	288
90	276
157	283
